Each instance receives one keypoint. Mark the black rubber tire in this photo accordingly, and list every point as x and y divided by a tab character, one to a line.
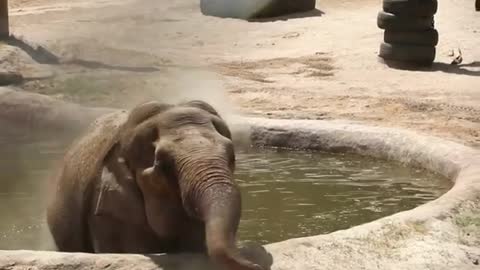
425	38
477	5
419	8
253	9
421	55
389	21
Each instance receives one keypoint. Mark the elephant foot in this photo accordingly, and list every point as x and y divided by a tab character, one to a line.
233	260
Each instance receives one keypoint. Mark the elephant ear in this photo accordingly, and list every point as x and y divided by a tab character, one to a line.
145	111
138	135
217	120
201	105
221	127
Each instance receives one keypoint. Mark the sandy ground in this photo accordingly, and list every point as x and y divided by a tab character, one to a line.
319	65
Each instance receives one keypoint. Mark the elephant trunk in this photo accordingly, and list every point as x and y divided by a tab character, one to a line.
220	207
209	194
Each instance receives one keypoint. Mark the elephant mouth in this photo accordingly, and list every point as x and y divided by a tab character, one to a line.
161	181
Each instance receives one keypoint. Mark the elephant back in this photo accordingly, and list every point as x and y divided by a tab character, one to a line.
73	188
86	156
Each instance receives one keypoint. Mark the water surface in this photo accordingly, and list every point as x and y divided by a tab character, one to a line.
290	194
285	194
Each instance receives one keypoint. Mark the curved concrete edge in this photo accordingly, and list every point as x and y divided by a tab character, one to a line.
453	160
45	260
31	112
442	234
42	260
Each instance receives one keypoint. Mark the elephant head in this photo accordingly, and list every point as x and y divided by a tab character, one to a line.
185	153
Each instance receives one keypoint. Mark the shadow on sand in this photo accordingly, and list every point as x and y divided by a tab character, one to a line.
42	55
298	15
462	69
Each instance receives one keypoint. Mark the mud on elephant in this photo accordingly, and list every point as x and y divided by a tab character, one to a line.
155	179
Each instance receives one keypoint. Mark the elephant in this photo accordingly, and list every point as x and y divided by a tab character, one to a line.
155	179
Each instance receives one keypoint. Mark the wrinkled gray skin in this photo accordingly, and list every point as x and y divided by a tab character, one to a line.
159	182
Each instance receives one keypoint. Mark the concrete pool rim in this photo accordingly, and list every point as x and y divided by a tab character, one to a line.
457	162
437	235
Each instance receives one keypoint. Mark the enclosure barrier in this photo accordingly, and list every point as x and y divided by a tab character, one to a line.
4	24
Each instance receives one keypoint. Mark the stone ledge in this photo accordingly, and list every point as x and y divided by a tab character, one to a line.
40	260
29	111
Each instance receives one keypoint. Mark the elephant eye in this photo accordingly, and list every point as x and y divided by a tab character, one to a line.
221	127
232	160
230	154
164	161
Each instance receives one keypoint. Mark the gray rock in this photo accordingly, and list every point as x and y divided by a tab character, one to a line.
29	111
10	77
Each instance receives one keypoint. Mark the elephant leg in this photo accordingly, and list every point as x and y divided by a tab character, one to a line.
104	234
110	235
66	228
117	222
193	237
163	209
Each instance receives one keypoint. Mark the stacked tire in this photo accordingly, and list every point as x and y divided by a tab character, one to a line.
410	36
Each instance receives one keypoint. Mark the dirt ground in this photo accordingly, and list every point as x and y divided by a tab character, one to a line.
318	65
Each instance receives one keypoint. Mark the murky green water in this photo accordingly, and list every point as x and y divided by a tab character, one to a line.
25	164
285	194
292	194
